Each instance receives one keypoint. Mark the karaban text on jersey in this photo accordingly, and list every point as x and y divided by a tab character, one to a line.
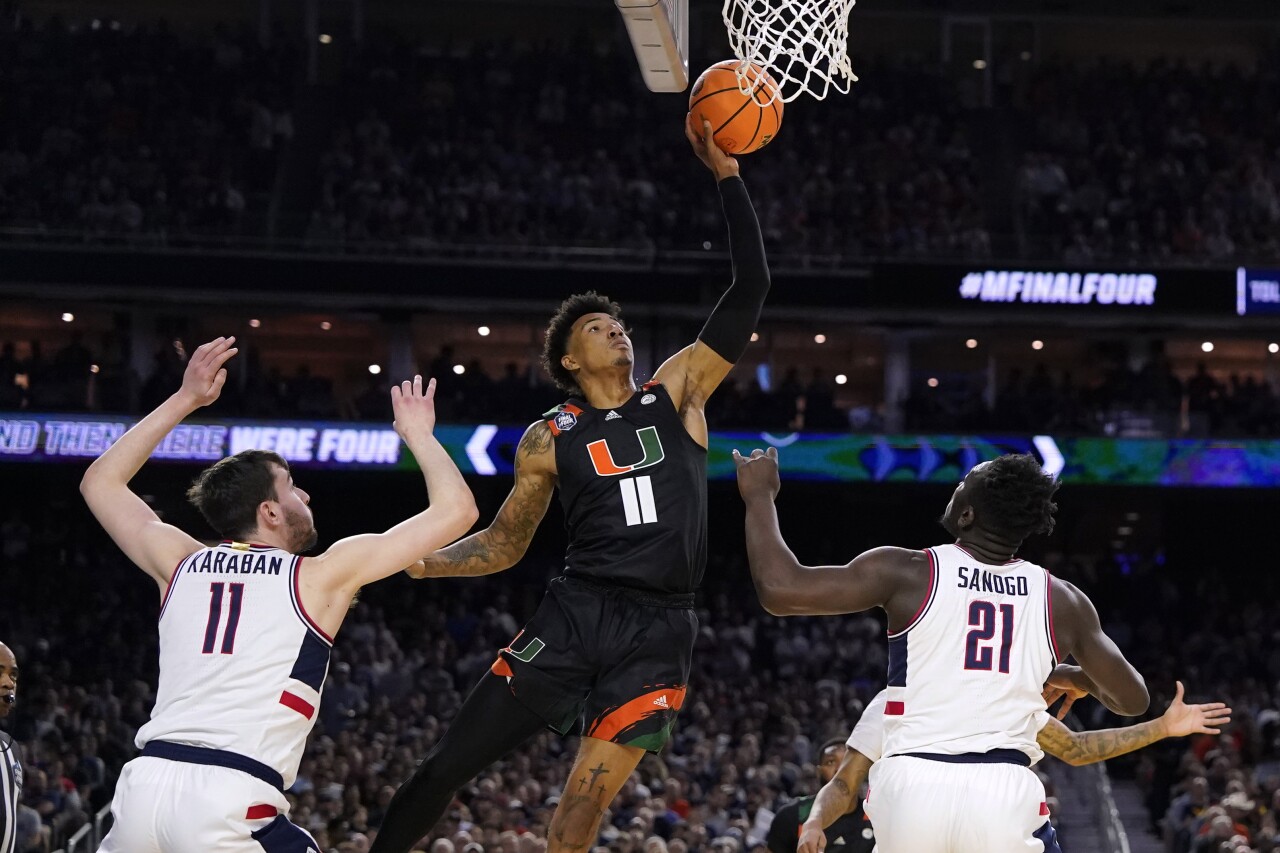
217	562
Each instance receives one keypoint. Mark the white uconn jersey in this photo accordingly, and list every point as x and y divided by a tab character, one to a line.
966	674
241	664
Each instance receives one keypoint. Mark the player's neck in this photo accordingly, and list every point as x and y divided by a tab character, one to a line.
988	549
607	390
260	537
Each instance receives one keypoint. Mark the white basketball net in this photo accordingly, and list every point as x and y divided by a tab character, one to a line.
803	43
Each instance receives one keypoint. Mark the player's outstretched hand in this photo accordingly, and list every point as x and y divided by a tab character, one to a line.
812	840
758	474
704	145
1064	681
1182	719
414	408
205	375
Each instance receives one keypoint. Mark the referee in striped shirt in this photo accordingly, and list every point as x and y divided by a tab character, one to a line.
10	769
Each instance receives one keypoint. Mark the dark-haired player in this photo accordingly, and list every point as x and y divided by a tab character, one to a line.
849	831
245	625
607	653
975	634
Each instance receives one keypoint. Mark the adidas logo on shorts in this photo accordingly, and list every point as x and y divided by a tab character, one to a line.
661	701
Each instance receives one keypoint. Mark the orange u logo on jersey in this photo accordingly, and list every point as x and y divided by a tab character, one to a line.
602	457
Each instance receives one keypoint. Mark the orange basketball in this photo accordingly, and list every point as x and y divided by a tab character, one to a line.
741	123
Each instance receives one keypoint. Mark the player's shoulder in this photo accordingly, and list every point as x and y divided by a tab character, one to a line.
537	438
558	420
1065	592
893	556
535	454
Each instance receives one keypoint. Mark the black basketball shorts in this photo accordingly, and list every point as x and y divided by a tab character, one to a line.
604	661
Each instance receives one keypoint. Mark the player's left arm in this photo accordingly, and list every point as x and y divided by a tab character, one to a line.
1180	720
692	374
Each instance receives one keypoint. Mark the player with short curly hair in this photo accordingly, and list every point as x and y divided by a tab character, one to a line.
607	654
975	634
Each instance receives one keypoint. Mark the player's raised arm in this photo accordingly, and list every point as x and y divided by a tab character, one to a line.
358	560
1179	720
788	588
154	546
1103	669
693	373
501	545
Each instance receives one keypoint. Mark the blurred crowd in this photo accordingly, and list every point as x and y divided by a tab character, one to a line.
135	131
110	129
1166	162
575	158
1205	794
1148	402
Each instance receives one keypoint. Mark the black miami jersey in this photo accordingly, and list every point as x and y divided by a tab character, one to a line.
633	486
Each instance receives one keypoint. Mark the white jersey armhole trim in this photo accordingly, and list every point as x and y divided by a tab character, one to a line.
295	595
1048	621
929	596
173	580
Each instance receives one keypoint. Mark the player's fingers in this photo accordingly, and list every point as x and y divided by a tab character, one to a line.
223	357
772	453
395	393
431	389
219	380
1177	693
757	453
1066	706
737	457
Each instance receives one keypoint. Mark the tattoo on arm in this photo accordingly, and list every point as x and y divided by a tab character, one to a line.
1078	748
835	799
504	542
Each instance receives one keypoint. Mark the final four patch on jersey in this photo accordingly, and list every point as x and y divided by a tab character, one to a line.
566	421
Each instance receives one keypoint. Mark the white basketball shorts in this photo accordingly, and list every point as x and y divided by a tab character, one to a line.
919	805
164	806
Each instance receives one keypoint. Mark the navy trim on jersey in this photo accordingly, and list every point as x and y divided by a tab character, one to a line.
1048	621
295	595
214	758
930	594
313	662
898	661
995	756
